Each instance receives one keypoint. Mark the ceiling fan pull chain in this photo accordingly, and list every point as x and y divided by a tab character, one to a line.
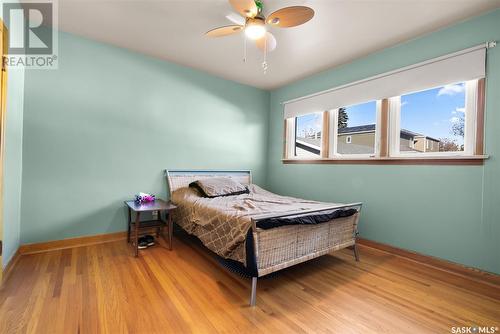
264	63
244	49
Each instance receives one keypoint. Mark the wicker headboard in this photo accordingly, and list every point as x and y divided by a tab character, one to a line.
182	178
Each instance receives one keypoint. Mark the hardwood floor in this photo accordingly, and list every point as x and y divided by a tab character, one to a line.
103	289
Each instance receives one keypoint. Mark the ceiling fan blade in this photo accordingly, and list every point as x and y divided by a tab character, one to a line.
290	16
247	8
224	31
236	19
269	39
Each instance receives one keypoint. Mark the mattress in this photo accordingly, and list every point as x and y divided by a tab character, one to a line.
222	223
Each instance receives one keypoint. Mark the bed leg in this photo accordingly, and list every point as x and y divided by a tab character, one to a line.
356	252
253	294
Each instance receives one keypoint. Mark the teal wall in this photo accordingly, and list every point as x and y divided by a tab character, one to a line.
13	163
451	212
106	123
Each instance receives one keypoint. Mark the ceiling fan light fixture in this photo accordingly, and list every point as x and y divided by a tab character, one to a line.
251	19
255	28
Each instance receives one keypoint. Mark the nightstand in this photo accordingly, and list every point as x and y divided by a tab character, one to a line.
135	227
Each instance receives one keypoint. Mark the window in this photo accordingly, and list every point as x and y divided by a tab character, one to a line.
434	121
427	112
308	129
355	127
437	122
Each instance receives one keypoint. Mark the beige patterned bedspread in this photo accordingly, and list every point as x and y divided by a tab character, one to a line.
222	223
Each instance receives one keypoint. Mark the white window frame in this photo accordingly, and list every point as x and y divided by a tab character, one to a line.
471	90
348	139
290	138
333	135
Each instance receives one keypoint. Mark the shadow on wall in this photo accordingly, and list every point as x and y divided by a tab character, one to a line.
107	123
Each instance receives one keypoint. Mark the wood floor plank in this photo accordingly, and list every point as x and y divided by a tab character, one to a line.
103	289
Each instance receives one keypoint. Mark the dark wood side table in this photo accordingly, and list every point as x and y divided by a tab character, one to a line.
158	205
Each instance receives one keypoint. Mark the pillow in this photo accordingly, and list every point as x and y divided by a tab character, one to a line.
219	186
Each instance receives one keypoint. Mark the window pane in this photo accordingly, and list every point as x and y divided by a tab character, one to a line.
356	129
308	135
433	120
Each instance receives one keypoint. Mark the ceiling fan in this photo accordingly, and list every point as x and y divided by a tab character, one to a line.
254	23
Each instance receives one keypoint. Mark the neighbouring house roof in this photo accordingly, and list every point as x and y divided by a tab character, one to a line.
371	128
311	141
431	138
361	128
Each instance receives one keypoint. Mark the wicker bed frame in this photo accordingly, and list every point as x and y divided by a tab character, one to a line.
284	246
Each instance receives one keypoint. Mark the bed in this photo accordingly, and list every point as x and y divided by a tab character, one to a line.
263	231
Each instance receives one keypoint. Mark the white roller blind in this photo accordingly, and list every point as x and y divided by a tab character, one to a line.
460	66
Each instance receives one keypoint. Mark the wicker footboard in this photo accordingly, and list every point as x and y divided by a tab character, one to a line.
285	246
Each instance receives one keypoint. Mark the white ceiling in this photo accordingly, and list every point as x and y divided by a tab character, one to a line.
342	30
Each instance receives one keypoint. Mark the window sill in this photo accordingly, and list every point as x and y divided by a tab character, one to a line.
429	160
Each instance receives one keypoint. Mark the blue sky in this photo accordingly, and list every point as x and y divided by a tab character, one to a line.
362	114
431	112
